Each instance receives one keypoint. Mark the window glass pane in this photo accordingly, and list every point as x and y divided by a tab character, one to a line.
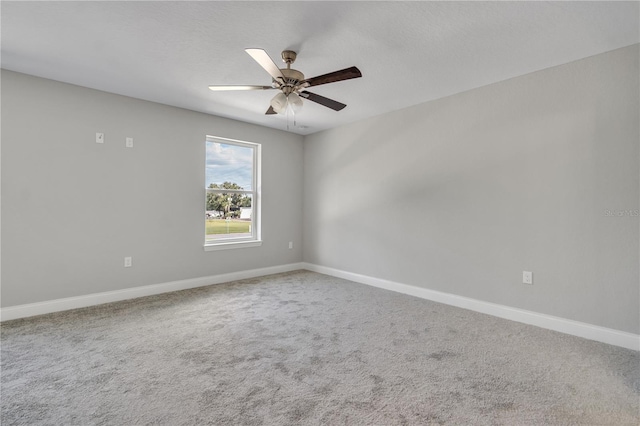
228	215
229	166
231	199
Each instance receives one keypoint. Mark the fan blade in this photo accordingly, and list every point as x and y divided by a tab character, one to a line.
223	88
261	57
270	111
332	77
329	103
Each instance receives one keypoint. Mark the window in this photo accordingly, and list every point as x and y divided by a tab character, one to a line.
232	199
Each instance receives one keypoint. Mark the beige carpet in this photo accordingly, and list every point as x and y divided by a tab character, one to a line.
305	349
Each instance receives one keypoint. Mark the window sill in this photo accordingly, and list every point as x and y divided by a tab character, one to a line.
232	245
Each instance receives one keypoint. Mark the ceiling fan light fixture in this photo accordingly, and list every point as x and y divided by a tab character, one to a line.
279	103
294	101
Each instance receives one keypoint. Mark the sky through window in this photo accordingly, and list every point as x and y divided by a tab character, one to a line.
229	163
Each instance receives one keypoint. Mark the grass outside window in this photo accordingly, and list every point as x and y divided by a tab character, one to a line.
224	226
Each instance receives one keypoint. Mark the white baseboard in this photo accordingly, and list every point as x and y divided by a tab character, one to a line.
575	328
40	308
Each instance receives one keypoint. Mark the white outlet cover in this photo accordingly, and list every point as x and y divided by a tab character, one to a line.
527	277
99	137
129	143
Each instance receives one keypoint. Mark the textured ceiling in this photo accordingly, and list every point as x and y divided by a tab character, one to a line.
408	52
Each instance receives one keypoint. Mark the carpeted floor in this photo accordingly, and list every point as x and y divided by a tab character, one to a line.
304	348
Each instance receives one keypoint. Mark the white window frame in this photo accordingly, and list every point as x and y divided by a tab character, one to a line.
254	240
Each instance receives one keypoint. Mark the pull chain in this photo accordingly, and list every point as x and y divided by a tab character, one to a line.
290	112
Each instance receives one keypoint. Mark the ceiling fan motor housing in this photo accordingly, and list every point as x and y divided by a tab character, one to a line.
292	79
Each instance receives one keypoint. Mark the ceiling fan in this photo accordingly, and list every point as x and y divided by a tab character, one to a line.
292	83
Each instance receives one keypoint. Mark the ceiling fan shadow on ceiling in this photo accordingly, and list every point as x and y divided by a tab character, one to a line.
292	83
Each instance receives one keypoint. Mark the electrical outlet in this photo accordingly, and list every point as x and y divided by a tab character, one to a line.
290	244
527	277
128	142
99	137
127	262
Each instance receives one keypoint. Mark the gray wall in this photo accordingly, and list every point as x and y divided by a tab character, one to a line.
462	194
73	209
